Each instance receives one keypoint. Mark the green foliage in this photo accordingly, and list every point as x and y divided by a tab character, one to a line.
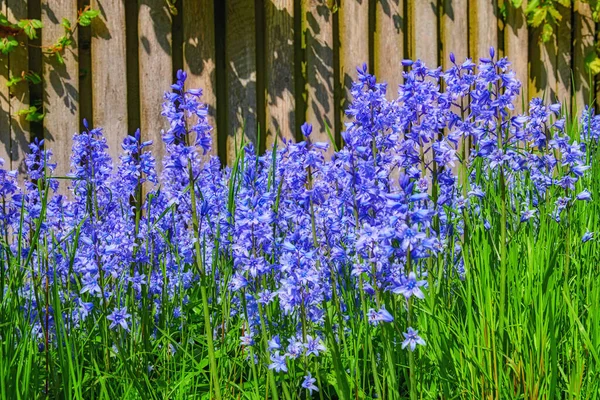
547	15
8	44
28	28
32	114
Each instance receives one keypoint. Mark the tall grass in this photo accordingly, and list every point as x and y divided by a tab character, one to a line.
520	319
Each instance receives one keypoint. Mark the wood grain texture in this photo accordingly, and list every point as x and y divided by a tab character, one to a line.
109	77
542	67
4	105
423	20
279	51
483	28
564	57
318	26
583	44
156	70
199	55
455	31
354	44
19	94
390	25
516	40
240	58
61	85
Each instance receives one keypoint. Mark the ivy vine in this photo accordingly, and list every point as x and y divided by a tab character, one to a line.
13	35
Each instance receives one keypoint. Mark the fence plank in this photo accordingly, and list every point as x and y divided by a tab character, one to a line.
279	20
483	29
424	31
389	43
542	77
61	85
199	55
516	39
583	44
4	106
19	94
354	44
156	70
109	77
240	59
455	31
564	57
320	111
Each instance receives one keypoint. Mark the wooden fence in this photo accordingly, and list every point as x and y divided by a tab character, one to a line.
267	63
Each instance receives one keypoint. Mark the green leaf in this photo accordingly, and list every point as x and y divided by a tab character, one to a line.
8	44
554	13
33	77
13	81
547	32
4	20
592	62
31	114
66	23
517	3
85	19
539	16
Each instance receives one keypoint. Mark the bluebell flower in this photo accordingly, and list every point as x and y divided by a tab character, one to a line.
309	383
278	363
119	317
587	237
412	339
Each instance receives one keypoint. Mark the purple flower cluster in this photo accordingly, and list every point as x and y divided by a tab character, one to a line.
291	242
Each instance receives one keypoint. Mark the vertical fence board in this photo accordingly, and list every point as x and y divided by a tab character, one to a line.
542	76
583	44
61	85
389	43
156	70
483	29
423	31
4	105
199	56
279	20
320	111
564	78
240	58
516	39
19	93
354	44
455	31
109	78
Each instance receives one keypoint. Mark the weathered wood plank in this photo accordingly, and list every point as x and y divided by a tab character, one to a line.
516	39
240	59
424	31
199	55
583	44
280	110
4	105
564	57
389	43
542	66
61	85
483	28
354	44
109	78
318	26
19	94
156	70
455	31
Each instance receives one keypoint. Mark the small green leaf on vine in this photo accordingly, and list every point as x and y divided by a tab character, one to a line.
592	62
31	114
